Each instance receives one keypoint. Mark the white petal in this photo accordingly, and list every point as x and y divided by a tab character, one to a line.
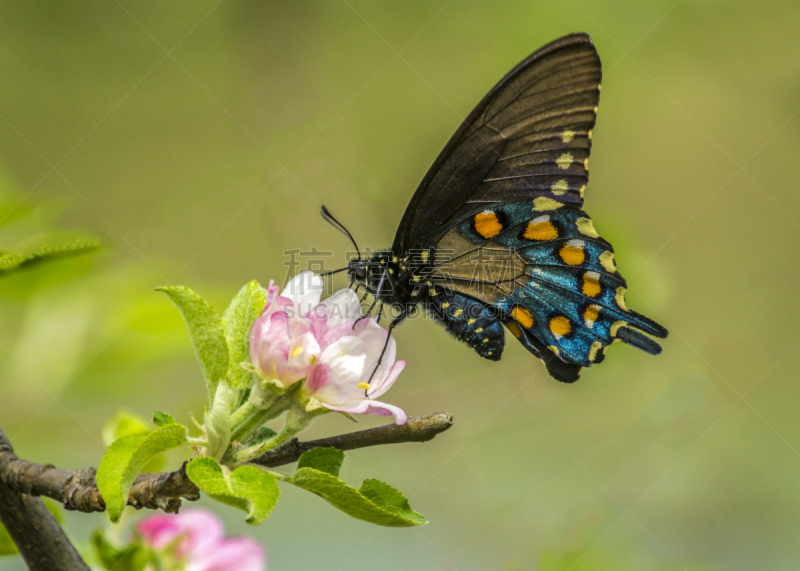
374	337
380	386
341	307
345	362
304	290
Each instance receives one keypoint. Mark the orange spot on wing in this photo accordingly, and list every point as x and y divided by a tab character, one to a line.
560	326
540	230
487	224
523	316
515	330
572	255
591	314
591	285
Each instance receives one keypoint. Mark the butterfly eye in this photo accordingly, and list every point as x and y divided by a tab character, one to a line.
361	273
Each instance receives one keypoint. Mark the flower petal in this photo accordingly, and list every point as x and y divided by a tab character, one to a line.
341	307
341	365
373	407
380	386
158	531
304	290
232	554
375	339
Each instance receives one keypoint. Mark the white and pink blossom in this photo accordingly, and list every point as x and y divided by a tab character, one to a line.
199	541
328	344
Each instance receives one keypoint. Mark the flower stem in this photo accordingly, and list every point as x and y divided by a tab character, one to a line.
296	421
262	406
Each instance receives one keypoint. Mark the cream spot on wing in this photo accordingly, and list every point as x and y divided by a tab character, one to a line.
583	189
607	261
586	164
471	321
458	312
543	203
425	255
590	134
595	109
445	305
479	330
564	161
485	340
586	227
615	327
560	187
599	87
553	348
620	297
567	136
594	349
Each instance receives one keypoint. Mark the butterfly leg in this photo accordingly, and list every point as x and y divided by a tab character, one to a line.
395	322
377	295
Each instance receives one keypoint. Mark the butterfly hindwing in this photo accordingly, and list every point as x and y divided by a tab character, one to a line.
550	272
471	321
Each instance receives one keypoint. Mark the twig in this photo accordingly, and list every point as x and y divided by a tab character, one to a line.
77	489
36	533
415	430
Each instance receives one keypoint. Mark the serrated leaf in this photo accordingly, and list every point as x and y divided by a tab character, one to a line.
388	511
43	246
262	435
246	488
125	459
123	423
327	460
243	311
206	332
162	418
132	557
218	421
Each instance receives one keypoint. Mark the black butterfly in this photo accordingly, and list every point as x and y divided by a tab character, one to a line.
495	236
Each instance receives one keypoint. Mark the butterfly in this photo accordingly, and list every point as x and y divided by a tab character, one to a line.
495	237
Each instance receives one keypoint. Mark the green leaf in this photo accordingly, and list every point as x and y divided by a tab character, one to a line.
123	423
132	557
205	329
125	459
246	488
238	320
262	435
376	502
7	546
162	418
46	246
327	460
218	421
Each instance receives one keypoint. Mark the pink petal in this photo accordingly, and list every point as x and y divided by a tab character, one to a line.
158	531
380	386
319	376
232	554
203	527
372	407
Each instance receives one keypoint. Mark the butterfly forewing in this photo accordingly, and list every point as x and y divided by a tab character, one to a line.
528	138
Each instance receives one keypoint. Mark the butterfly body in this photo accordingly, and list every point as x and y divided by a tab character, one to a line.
495	236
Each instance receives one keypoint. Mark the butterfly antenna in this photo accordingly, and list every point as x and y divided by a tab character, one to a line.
338	225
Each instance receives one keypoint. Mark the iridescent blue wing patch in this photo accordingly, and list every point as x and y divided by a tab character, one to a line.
551	274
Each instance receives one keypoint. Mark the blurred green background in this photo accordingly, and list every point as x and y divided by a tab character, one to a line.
200	138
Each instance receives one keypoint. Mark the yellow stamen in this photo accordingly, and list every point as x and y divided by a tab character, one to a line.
297	352
364	386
